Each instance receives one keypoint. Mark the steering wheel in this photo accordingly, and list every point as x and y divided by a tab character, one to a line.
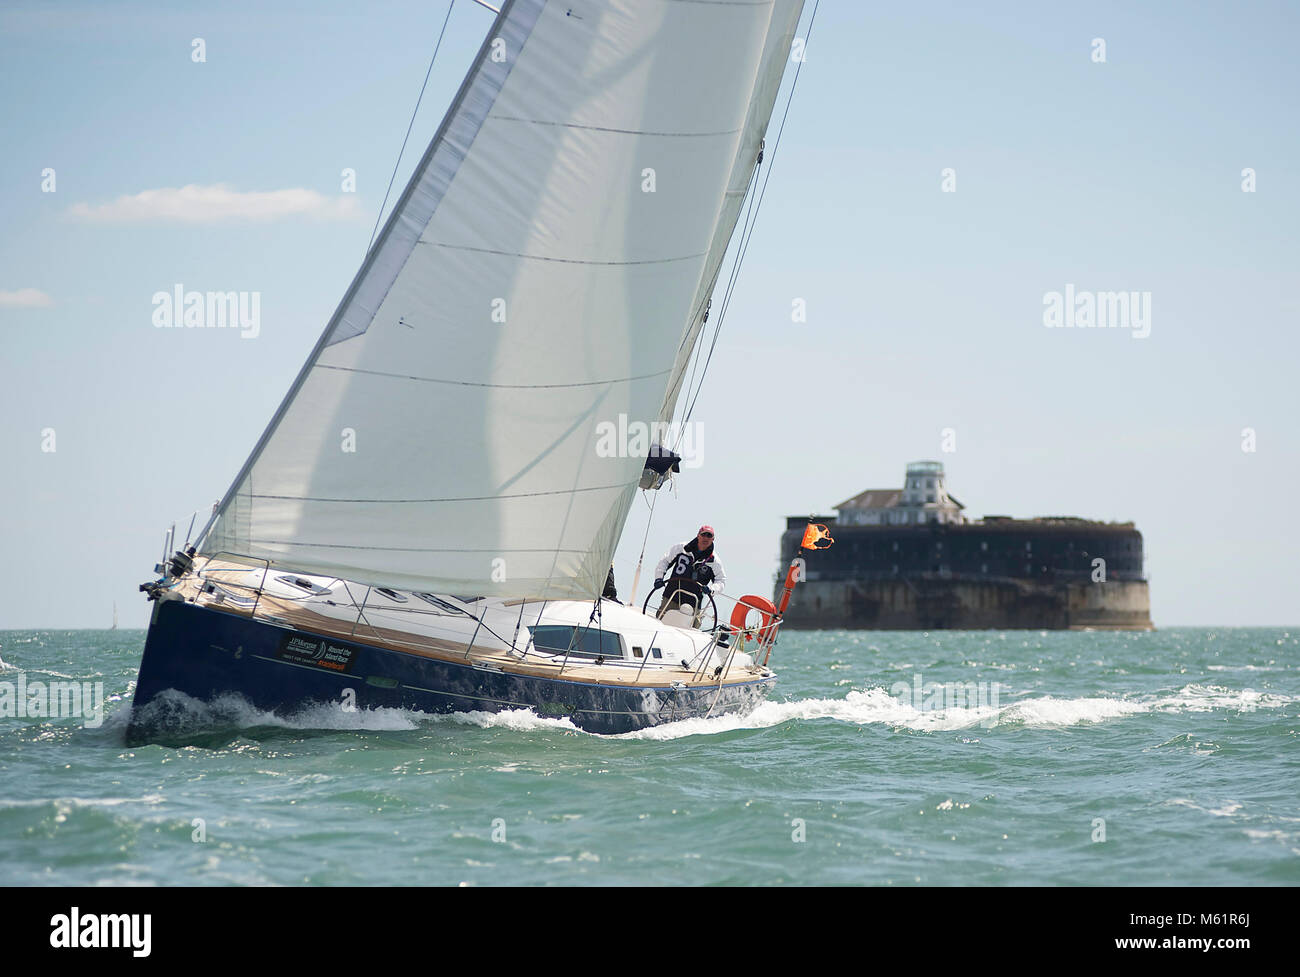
708	609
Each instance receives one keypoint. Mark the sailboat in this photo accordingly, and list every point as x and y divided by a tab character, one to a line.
428	520
114	627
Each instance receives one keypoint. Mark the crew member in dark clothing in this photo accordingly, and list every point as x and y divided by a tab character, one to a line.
689	570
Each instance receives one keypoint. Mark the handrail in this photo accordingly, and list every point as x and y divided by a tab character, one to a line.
209	575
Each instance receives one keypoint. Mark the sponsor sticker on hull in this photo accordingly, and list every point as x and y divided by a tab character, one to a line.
317	652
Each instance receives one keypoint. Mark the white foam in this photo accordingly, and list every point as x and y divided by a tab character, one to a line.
860	707
183	712
1051	711
519	720
74	802
1204	698
1226	810
870	706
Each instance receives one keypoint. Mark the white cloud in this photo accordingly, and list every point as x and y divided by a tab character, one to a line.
24	298
194	204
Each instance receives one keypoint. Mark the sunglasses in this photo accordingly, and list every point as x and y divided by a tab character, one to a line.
707	535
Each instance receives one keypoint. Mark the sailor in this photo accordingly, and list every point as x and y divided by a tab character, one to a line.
687	571
610	592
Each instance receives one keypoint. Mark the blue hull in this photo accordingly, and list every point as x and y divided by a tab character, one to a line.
205	654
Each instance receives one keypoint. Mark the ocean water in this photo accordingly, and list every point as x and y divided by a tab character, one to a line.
1164	758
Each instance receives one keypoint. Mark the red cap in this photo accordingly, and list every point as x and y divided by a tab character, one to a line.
706	529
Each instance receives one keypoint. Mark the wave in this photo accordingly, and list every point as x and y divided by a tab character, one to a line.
174	712
519	720
68	803
1226	810
1204	698
876	706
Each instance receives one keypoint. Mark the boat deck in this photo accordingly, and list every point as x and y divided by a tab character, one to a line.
293	613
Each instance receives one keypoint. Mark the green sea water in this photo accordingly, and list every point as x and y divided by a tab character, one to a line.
1170	757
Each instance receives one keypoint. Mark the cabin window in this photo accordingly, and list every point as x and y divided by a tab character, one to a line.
391	594
579	641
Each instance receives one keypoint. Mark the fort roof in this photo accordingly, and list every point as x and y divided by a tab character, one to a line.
872	499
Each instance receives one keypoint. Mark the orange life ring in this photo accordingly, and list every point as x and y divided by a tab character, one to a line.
751	602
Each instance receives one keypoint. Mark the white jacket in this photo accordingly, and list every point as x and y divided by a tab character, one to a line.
679	550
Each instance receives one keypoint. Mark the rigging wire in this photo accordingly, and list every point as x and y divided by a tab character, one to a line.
746	229
410	125
695	364
748	232
640	560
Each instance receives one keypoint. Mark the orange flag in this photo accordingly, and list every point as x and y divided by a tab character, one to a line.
814	534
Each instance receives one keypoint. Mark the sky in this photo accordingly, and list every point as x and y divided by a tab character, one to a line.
944	169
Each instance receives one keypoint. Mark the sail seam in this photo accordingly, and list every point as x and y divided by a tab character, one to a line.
563	261
725	3
398	549
467	498
624	132
495	386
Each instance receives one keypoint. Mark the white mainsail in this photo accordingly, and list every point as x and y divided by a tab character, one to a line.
538	278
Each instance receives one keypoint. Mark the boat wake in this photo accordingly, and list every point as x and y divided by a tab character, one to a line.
877	706
175	716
